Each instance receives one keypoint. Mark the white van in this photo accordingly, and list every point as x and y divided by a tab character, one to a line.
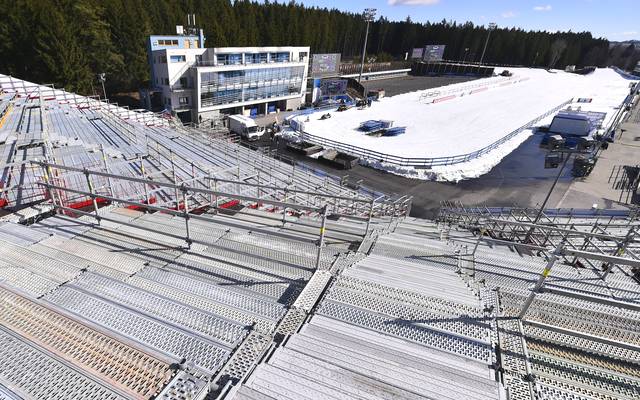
245	127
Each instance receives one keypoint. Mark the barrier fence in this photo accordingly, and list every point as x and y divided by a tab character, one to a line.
436	96
425	163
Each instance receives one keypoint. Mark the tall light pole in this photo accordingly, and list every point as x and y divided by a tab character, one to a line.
492	26
102	78
369	14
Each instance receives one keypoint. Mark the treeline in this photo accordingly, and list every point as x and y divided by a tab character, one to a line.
67	42
625	55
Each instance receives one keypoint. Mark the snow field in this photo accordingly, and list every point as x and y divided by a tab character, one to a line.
470	122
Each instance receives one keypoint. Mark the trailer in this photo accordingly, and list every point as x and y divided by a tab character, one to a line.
575	126
338	159
305	148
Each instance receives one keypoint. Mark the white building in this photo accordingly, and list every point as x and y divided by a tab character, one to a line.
198	83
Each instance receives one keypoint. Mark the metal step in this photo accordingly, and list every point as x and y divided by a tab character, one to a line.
131	370
36	374
226	332
167	339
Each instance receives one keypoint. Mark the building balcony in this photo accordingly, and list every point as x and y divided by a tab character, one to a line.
180	88
209	63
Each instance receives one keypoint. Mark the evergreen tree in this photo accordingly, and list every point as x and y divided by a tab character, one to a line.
68	42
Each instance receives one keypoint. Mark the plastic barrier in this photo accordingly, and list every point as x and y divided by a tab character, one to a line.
441	99
479	90
87	203
152	200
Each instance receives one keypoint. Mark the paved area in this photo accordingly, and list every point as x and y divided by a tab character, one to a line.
520	179
597	188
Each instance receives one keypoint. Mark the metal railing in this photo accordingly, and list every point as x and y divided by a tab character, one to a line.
426	163
207	192
34	91
517	228
184	211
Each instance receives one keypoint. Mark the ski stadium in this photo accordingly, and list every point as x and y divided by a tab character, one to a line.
461	131
142	259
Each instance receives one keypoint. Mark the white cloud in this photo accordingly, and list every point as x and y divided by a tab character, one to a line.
509	14
412	2
629	33
542	8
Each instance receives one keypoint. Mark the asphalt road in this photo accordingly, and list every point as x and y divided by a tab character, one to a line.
519	179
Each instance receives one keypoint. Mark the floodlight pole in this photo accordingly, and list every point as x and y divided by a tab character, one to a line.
464	60
369	13
102	78
492	26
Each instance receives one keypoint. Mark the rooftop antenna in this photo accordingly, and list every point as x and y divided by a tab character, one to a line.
191	28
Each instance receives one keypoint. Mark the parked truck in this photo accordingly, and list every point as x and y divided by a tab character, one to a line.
245	127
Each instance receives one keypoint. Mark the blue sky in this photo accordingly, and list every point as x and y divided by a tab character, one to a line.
613	19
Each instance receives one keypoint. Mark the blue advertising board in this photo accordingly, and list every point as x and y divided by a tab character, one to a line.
333	87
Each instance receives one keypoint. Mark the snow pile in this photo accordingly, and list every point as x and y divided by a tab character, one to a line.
468	123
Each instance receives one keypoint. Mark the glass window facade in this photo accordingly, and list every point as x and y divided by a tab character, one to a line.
228	87
279	57
255	58
229	59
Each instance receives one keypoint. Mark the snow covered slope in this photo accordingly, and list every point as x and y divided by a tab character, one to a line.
468	123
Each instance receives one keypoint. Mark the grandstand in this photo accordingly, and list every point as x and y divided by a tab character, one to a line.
145	260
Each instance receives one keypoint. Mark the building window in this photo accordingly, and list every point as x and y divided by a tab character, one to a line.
183	100
279	57
218	88
229	59
184	82
166	81
255	58
167	42
176	59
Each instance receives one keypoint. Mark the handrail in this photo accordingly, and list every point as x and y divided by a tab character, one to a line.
182	187
423	162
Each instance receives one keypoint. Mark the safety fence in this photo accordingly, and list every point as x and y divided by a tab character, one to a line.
424	163
437	96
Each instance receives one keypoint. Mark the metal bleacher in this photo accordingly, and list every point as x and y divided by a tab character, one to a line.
46	124
140	260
